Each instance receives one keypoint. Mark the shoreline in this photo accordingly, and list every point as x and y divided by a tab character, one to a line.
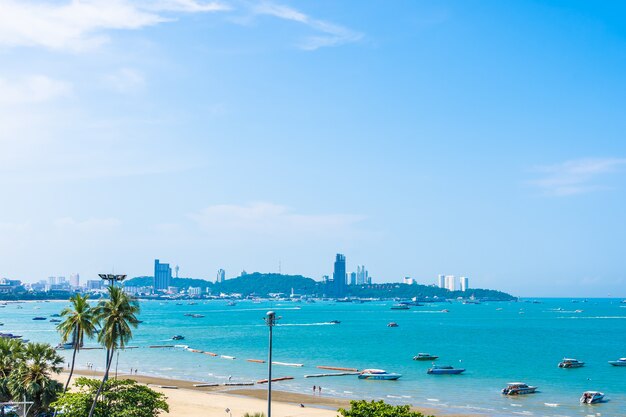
186	399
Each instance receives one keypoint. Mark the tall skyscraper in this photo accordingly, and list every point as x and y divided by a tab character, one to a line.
339	276
450	282
162	276
441	283
352	278
75	280
464	283
221	276
361	275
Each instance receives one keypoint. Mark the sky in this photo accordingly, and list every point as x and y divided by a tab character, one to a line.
482	138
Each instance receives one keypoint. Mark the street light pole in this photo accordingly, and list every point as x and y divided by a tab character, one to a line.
270	320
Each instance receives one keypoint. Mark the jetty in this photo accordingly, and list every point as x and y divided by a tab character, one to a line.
284	378
333	374
336	368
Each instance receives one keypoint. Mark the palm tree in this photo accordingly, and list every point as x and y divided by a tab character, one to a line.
80	321
117	316
11	355
31	378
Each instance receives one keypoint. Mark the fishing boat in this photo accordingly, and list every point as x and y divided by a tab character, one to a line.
619	362
425	357
518	388
178	337
444	370
571	363
400	307
392	324
591	397
378	374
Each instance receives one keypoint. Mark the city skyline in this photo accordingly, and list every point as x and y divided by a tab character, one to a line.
418	138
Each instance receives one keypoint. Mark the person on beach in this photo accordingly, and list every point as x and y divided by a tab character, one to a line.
314	389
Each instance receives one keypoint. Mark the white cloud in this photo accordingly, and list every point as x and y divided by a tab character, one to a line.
125	80
331	34
271	220
78	24
576	176
32	89
88	226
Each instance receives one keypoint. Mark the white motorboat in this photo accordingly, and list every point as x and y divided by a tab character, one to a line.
619	362
571	363
591	397
518	388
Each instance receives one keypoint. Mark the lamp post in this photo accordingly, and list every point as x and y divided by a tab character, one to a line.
270	320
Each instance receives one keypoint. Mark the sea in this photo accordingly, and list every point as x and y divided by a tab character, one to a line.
496	342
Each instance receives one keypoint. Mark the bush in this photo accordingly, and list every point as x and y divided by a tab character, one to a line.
363	408
120	398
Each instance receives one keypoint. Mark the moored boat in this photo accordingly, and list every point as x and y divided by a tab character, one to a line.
444	370
39	318
619	362
425	357
400	307
571	363
378	374
334	322
392	324
518	388
178	337
591	397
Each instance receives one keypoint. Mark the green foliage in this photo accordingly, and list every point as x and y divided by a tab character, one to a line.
363	408
254	415
264	284
119	398
25	371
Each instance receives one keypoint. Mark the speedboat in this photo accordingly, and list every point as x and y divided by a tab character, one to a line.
334	322
39	318
591	397
400	307
378	374
392	324
571	363
425	357
197	316
178	337
619	362
68	345
518	388
444	370
55	321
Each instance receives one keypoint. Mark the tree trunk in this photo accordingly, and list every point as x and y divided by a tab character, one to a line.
106	375
67	384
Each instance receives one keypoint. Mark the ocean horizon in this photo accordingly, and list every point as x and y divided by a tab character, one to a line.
496	342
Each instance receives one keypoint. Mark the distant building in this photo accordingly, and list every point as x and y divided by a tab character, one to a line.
95	284
162	276
52	280
361	275
243	273
60	280
176	268
194	291
75	280
450	282
464	283
10	286
409	281
221	276
339	276
173	290
352	278
441	282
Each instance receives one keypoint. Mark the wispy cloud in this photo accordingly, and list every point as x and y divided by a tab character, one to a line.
270	220
330	34
576	176
32	89
80	25
125	80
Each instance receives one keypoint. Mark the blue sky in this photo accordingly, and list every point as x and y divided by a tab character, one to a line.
477	138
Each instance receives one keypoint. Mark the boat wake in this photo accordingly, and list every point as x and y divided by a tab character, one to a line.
305	324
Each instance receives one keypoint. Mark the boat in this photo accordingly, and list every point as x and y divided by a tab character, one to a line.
197	316
400	307
445	310
334	322
425	357
178	337
518	388
55	321
39	318
619	362
591	397
68	345
392	324
231	303
378	374
444	370
55	315
571	363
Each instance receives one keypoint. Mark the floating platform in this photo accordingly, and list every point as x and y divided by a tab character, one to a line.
232	358
296	365
238	384
205	385
160	346
210	353
336	368
284	378
256	360
334	374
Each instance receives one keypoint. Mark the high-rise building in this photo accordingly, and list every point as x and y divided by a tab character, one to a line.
339	276
60	280
352	278
52	280
464	283
221	276
441	283
75	280
162	276
361	275
450	282
409	281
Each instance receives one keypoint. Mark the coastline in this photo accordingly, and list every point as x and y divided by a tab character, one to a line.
190	401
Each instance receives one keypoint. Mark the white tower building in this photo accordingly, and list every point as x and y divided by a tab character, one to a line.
450	282
442	281
464	283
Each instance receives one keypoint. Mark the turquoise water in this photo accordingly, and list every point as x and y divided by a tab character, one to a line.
493	341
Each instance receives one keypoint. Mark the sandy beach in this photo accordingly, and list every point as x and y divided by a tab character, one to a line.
189	401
